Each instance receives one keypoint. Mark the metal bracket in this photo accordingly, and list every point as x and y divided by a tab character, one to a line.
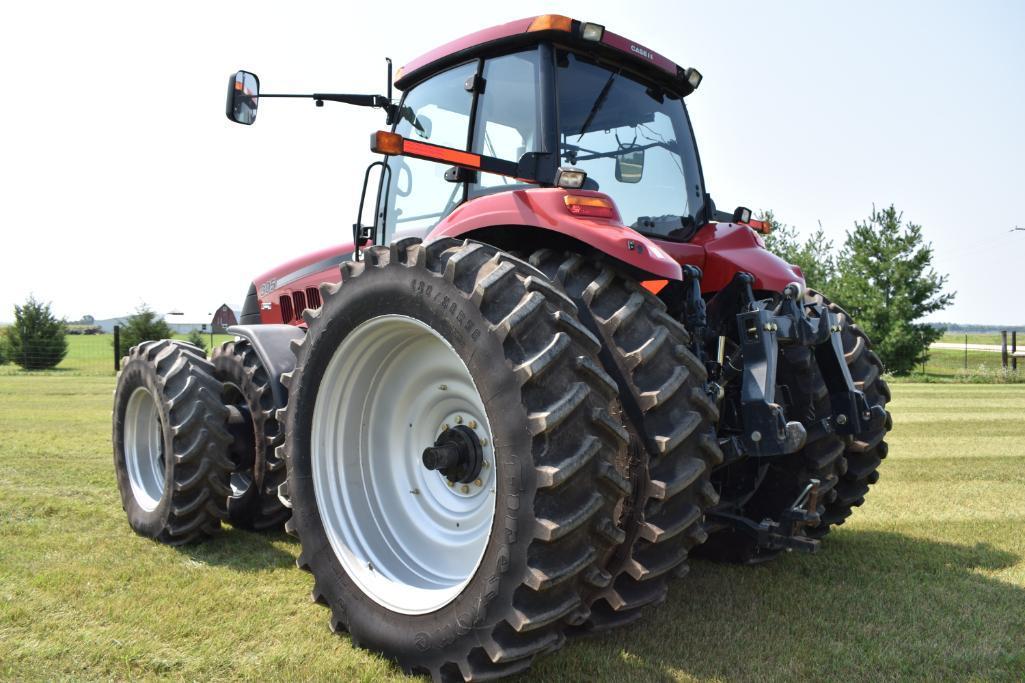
789	532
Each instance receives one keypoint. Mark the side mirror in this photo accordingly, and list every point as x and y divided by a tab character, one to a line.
630	164
243	97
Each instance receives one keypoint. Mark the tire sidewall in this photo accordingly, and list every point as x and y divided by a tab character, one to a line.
420	294
228	368
134	374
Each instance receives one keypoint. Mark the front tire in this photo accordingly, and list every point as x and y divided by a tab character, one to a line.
466	579
170	443
254	502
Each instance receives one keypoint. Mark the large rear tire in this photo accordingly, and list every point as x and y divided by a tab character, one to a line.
253	503
845	467
865	451
662	390
170	443
466	579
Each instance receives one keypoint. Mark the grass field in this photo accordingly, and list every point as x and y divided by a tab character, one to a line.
979	338
926	582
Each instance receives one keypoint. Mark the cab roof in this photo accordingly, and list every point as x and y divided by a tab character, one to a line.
555	28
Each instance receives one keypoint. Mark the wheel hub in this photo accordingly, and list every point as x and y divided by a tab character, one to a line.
456	454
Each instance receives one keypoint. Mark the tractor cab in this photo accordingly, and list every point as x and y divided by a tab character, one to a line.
562	104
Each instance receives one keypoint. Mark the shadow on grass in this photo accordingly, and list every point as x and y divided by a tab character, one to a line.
247	551
873	605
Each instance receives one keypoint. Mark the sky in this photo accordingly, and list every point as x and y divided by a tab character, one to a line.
122	182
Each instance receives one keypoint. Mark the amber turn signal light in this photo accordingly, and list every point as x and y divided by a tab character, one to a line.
383	142
592	207
551	22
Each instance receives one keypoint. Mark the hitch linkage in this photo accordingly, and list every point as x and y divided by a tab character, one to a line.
761	331
789	532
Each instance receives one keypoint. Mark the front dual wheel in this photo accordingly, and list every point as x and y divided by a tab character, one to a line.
455	469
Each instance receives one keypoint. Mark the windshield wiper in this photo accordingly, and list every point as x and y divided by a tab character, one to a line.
597	104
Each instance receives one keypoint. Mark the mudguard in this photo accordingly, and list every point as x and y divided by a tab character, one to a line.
544	208
272	344
723	249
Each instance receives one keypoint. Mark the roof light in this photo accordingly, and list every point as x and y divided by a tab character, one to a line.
693	77
551	22
383	142
592	32
570	178
593	207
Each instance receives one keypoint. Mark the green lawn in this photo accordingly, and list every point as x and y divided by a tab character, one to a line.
927	582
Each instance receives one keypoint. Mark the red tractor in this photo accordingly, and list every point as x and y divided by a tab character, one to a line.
544	373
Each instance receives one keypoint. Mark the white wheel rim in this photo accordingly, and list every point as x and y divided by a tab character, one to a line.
407	538
144	452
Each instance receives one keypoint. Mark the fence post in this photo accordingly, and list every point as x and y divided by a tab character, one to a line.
117	348
966	353
1014	350
1003	348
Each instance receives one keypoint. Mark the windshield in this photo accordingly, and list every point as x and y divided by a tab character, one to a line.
635	143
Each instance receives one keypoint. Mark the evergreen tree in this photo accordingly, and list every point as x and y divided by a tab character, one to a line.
887	284
196	339
145	325
36	339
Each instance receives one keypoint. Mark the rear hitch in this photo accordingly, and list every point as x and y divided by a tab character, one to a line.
789	532
761	331
766	430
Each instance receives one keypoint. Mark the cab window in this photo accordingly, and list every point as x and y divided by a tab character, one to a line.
507	124
436	111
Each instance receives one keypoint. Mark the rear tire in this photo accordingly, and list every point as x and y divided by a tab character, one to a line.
253	503
662	389
510	357
845	467
867	450
170	443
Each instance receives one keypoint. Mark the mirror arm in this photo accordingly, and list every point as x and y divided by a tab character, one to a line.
358	100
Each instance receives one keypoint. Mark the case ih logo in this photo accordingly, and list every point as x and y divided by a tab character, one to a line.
637	49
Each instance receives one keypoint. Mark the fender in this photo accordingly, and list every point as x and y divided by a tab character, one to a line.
544	209
272	344
724	249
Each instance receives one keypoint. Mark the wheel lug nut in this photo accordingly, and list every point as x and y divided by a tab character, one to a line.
472	424
444	387
450	483
464	488
459	420
483	441
477	483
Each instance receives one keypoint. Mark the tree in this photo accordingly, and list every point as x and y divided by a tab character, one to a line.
145	325
196	339
814	256
36	339
887	284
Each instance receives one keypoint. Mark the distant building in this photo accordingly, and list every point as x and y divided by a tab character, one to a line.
224	318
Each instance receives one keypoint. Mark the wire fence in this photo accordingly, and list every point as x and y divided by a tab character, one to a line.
89	355
975	356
